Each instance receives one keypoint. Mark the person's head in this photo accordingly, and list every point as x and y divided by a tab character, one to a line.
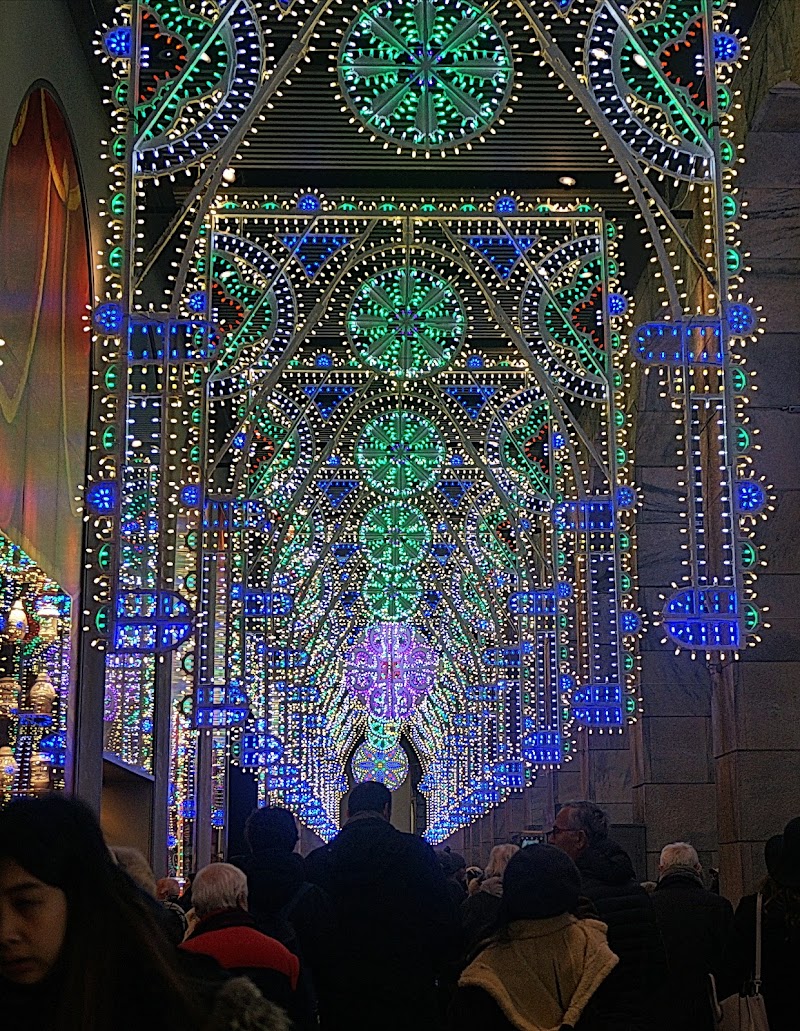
453	864
33	924
578	826
70	916
218	887
787	865
498	860
136	867
370	797
167	889
773	850
540	881
679	855
271	828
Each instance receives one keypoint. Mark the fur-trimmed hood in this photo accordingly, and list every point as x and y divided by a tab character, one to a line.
240	1006
542	973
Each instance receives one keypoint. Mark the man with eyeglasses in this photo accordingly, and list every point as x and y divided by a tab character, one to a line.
635	989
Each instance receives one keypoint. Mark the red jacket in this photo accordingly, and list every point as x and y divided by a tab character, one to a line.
229	936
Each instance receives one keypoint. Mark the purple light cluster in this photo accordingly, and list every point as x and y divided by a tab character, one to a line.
390	669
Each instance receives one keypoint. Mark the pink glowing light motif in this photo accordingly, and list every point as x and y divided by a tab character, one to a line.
390	669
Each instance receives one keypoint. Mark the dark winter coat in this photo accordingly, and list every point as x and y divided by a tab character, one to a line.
396	927
635	991
694	925
279	890
780	960
479	915
299	914
230	937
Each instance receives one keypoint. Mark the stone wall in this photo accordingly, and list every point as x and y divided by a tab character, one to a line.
718	758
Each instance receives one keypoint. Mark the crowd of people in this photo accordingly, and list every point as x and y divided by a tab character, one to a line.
376	930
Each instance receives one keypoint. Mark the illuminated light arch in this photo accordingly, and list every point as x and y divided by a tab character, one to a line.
524	480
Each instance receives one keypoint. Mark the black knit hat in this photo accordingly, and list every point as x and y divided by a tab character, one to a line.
540	881
787	869
450	862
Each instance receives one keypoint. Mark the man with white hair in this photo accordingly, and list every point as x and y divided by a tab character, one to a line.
694	925
227	933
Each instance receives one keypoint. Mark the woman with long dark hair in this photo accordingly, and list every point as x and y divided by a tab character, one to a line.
80	949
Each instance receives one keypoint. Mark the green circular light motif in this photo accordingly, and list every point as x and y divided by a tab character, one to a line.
739	379
391	594
430	74
382	735
406	322
395	535
400	453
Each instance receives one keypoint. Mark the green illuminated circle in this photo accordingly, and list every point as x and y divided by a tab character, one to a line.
752	617
430	74
382	735
749	555
104	556
730	207
401	453
733	259
391	594
739	379
395	535
406	322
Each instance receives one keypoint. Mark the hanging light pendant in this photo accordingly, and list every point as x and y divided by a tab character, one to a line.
17	626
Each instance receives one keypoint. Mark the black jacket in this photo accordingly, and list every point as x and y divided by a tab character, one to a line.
396	927
299	914
278	889
636	989
694	925
479	915
780	960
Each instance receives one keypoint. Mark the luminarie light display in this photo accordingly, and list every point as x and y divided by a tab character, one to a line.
359	429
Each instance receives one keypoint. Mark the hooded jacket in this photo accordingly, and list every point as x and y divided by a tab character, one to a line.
636	991
541	974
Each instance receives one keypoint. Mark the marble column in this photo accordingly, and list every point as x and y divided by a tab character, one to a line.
673	775
757	702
